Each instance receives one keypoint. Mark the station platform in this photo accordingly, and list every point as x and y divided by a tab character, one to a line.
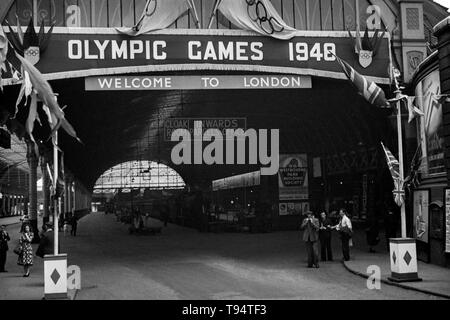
184	264
9	220
435	279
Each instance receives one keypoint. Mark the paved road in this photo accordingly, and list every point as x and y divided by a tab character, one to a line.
184	264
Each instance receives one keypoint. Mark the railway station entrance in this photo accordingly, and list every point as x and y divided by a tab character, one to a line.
311	142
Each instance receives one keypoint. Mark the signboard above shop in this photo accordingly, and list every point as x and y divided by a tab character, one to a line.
98	52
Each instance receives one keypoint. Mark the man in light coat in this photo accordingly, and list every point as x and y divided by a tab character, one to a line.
345	229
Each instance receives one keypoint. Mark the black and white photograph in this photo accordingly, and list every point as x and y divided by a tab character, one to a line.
223	156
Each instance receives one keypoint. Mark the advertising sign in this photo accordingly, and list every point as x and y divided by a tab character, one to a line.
447	220
431	125
421	215
291	208
293	177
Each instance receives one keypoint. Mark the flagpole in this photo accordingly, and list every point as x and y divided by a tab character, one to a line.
213	14
398	94
55	185
194	13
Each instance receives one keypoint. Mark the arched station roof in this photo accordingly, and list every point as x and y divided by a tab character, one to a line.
123	126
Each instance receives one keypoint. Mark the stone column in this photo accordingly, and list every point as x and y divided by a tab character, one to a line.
414	47
7	211
20	205
13	205
69	194
3	204
45	190
32	190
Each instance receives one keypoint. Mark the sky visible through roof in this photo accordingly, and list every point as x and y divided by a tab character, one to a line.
445	3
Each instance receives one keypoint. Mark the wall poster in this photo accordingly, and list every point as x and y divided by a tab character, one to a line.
421	215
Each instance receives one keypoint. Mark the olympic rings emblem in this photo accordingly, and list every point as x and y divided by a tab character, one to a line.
151	7
33	53
257	11
366	55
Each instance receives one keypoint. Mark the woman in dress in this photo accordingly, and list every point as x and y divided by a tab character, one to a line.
26	256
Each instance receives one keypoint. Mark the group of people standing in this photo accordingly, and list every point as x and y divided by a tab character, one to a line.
24	249
317	230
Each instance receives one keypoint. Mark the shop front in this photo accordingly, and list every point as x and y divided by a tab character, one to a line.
430	197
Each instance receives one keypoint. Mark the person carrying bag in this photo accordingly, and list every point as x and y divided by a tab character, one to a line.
346	231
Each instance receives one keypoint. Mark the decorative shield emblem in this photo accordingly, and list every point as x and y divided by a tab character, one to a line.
365	58
32	54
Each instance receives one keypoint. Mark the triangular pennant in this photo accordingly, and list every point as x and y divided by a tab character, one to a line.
413	111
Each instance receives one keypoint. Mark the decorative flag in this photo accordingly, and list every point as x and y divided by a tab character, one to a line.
413	111
398	192
412	181
255	15
32	115
368	89
393	164
3	54
46	94
442	98
367	48
433	117
394	168
159	14
30	44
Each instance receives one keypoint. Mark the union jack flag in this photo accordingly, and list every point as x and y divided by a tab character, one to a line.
368	89
394	168
393	164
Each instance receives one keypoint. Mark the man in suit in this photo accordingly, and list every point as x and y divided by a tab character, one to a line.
311	226
47	242
325	237
4	238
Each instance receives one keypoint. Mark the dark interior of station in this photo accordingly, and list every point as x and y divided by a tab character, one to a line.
329	121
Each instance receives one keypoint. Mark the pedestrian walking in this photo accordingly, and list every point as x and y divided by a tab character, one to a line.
372	233
311	226
325	237
46	244
345	230
74	223
25	222
26	251
66	226
165	212
390	224
4	238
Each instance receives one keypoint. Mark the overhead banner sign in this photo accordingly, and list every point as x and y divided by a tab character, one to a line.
117	83
293	177
71	53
